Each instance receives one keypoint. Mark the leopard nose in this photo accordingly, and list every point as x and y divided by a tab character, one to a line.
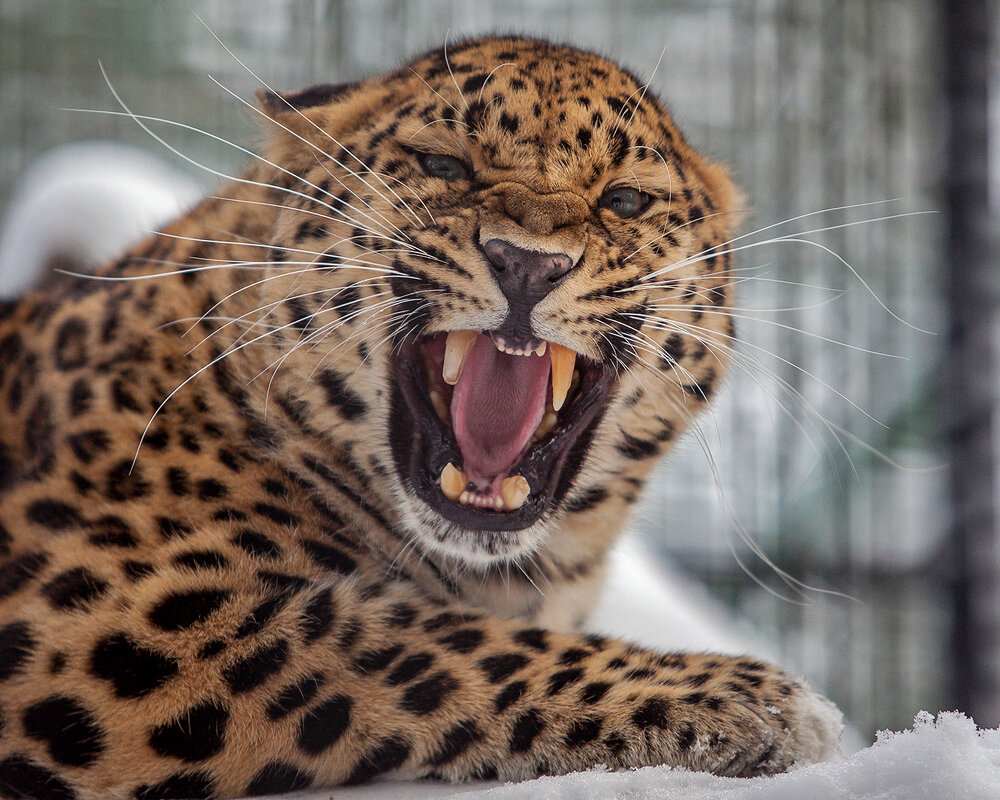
525	276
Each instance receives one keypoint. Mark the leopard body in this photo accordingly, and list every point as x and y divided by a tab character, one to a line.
217	577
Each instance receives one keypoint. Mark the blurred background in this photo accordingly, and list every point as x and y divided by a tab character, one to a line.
855	443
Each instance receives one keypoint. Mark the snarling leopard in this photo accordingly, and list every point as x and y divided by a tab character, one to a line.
317	483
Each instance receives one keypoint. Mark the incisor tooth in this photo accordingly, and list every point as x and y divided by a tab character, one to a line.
563	360
456	348
452	481
515	491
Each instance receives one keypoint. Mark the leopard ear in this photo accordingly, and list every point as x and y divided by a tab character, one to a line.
274	104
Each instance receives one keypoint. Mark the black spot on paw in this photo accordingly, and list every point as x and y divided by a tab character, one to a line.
70	732
455	742
583	731
278	777
134	670
196	734
255	669
654	713
22	779
74	589
687	738
182	786
428	695
526	727
181	610
387	755
324	724
295	696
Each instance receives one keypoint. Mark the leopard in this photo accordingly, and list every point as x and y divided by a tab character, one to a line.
316	484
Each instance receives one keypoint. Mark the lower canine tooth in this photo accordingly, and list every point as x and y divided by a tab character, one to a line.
452	482
439	405
547	424
515	491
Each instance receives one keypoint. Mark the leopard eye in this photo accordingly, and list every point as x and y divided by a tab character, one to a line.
447	168
624	201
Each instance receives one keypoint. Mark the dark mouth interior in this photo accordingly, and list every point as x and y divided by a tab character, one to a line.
493	429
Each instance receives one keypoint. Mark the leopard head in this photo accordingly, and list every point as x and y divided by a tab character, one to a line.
508	255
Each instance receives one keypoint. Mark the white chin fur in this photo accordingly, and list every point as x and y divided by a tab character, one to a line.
469	547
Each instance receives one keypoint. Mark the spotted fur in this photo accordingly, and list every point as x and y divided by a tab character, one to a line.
244	596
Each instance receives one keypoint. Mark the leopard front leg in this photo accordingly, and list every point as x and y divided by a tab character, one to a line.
250	681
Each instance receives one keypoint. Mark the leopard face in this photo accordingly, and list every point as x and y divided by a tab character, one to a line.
508	251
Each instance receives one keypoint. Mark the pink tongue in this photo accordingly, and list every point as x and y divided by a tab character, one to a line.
497	404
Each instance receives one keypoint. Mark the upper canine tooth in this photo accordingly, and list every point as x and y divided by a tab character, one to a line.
452	481
563	360
515	491
456	349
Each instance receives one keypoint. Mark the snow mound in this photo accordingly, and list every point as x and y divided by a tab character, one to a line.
941	758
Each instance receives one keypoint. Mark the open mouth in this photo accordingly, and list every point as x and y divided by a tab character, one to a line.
490	430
